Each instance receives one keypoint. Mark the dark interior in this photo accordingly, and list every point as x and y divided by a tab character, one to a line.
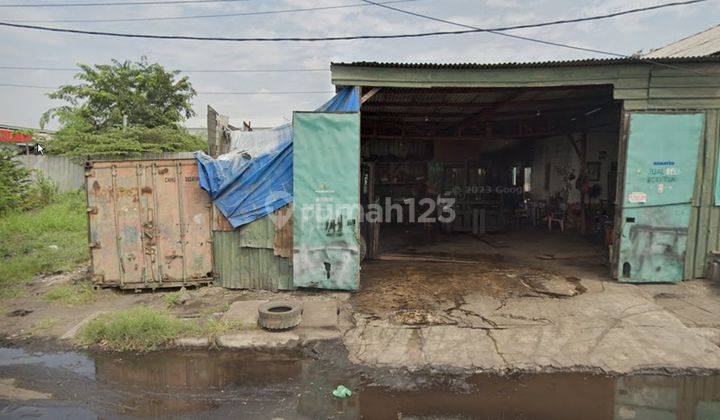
541	160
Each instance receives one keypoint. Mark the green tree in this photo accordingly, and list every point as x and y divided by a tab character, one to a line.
14	182
121	109
143	93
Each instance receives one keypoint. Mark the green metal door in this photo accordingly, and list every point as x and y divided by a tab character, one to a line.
661	162
326	190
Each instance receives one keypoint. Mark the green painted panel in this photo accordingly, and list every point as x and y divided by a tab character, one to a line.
326	189
662	156
705	220
653	247
241	267
258	234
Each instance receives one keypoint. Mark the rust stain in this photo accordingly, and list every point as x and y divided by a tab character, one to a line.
283	241
154	233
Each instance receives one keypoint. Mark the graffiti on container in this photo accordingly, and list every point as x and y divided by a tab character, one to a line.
657	248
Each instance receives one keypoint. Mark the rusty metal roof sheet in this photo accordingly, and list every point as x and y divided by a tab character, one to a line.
705	43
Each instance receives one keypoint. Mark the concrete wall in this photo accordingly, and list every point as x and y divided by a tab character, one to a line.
62	171
559	153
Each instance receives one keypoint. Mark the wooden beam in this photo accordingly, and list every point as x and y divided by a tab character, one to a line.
484	113
369	95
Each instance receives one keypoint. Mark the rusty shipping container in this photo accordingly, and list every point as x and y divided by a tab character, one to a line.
149	224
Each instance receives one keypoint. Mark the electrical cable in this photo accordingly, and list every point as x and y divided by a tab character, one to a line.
290	70
117	3
217	15
471	29
310	92
540	41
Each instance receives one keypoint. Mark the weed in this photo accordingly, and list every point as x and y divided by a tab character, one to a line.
42	325
214	328
48	240
172	298
41	193
139	329
71	294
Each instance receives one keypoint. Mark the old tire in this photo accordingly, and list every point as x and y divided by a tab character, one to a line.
279	315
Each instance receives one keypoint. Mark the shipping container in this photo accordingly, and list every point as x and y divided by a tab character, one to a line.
149	224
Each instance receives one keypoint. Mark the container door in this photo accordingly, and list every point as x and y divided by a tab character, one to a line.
661	162
149	224
326	189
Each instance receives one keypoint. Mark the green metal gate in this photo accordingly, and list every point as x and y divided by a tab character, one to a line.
661	164
326	189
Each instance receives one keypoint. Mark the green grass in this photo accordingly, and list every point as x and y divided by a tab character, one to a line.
42	326
144	329
52	239
71	294
139	329
171	299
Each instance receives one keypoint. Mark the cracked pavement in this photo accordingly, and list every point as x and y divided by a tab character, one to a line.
612	328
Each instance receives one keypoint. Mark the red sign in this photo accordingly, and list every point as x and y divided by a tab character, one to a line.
9	136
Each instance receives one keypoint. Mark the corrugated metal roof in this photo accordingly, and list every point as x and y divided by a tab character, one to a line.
705	43
568	63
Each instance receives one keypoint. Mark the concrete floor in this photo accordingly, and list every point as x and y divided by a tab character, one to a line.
528	321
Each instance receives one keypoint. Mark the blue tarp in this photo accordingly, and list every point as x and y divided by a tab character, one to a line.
346	99
255	178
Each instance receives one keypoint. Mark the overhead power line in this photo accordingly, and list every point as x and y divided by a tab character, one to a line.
74	69
261	92
117	3
540	41
216	15
471	29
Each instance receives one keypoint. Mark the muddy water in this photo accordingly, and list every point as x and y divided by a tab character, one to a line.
248	385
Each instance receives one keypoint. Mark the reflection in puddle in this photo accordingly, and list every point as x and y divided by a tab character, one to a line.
290	385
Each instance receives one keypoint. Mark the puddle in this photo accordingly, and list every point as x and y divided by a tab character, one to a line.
254	385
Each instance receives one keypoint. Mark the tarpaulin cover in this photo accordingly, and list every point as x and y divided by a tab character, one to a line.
346	99
256	177
253	180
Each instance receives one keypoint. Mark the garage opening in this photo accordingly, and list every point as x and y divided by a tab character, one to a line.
458	181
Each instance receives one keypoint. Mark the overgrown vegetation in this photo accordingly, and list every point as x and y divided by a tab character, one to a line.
139	329
18	191
115	143
145	329
71	294
123	109
132	93
14	180
48	240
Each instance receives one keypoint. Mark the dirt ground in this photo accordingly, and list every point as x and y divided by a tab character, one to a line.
412	285
437	273
31	318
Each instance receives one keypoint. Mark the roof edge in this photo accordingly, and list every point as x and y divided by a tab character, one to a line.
532	64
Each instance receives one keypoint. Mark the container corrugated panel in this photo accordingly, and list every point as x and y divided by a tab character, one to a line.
149	224
704	232
238	266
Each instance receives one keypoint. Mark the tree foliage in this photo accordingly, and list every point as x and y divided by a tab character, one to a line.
122	109
82	144
14	180
144	93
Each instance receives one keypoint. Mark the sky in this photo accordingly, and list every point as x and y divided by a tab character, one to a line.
21	47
